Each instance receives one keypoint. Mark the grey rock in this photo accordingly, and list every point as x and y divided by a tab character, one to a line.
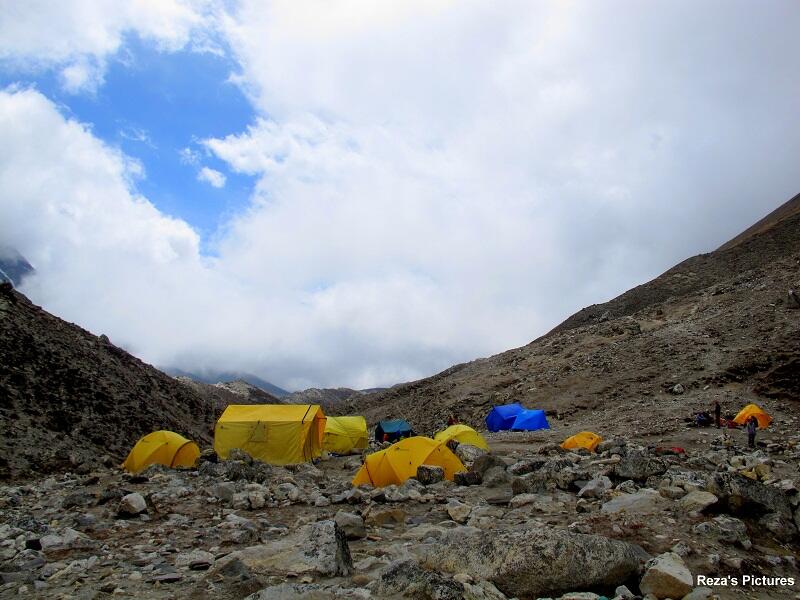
469	454
430	474
351	524
196	560
408	577
741	493
306	591
319	548
667	576
534	562
595	488
223	491
523	467
697	501
627	487
645	500
639	465
781	527
553	473
624	593
486	462
699	593
468	478
458	511
723	528
495	477
132	505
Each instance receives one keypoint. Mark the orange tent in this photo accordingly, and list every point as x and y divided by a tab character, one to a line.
753	410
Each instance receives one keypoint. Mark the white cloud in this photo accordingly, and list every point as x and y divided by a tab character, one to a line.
436	181
189	156
78	37
212	177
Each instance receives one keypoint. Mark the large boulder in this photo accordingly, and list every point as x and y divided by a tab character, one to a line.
318	548
534	562
742	494
412	581
667	576
639	465
723	528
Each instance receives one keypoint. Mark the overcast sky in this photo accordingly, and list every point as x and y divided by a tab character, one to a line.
360	192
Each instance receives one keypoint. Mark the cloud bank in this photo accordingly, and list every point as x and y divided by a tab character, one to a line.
437	181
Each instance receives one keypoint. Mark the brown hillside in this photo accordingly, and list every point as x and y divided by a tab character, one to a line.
716	323
69	397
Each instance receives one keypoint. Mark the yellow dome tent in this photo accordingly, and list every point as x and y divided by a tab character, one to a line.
463	434
343	434
279	434
753	410
162	448
584	439
399	462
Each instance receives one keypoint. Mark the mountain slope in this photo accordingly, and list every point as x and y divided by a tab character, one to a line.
213	377
13	266
67	396
717	323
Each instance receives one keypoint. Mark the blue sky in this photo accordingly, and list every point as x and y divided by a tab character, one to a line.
153	105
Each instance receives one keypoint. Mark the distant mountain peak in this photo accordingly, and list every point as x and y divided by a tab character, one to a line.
13	266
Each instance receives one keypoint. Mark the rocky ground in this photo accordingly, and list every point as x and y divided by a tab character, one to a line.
537	522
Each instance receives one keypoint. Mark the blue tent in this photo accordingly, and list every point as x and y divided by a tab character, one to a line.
394	429
502	417
530	420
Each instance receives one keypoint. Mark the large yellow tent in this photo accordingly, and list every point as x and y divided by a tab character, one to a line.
279	434
463	434
753	410
162	448
343	434
399	462
584	439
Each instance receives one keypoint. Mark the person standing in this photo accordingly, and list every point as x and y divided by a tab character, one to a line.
717	413
752	425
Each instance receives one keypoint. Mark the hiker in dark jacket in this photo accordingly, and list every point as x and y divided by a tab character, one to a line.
717	413
752	425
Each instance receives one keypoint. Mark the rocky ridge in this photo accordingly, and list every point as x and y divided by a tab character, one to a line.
718	326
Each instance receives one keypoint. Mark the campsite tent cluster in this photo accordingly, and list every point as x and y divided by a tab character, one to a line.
291	434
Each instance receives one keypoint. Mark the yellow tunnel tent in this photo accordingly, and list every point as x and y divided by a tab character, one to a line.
343	434
463	434
585	439
279	434
399	462
753	410
161	448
